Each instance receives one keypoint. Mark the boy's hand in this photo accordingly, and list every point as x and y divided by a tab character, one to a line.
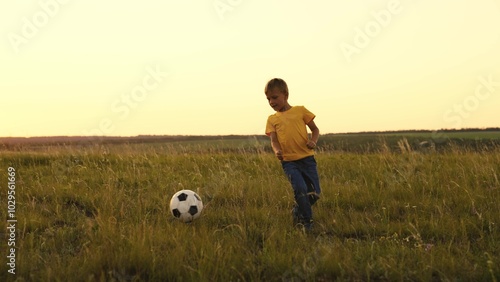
279	155
311	144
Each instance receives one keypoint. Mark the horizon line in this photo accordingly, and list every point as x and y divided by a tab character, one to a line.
243	135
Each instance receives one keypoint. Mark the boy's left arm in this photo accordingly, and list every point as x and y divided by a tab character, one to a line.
311	144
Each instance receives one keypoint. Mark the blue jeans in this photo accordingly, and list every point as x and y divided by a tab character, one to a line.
303	175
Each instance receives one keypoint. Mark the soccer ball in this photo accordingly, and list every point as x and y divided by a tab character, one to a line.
186	205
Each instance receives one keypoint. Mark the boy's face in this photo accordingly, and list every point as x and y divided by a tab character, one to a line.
277	99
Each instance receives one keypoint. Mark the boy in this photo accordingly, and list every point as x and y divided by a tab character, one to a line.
291	145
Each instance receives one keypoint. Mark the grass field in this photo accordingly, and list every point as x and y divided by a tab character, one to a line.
100	213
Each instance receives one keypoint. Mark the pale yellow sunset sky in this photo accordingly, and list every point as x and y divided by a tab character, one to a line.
124	68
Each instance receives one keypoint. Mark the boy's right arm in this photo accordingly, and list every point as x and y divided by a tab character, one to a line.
275	144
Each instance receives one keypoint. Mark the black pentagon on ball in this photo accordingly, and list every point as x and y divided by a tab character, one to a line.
193	210
182	197
176	212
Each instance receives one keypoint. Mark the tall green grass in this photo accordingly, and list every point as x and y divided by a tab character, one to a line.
100	213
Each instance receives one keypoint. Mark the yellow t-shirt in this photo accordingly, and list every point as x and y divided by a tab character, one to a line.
290	127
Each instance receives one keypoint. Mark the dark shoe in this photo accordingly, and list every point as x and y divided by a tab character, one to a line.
309	225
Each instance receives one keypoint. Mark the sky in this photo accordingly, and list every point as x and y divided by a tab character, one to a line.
172	67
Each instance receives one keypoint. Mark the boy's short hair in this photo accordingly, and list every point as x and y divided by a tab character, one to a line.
276	83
